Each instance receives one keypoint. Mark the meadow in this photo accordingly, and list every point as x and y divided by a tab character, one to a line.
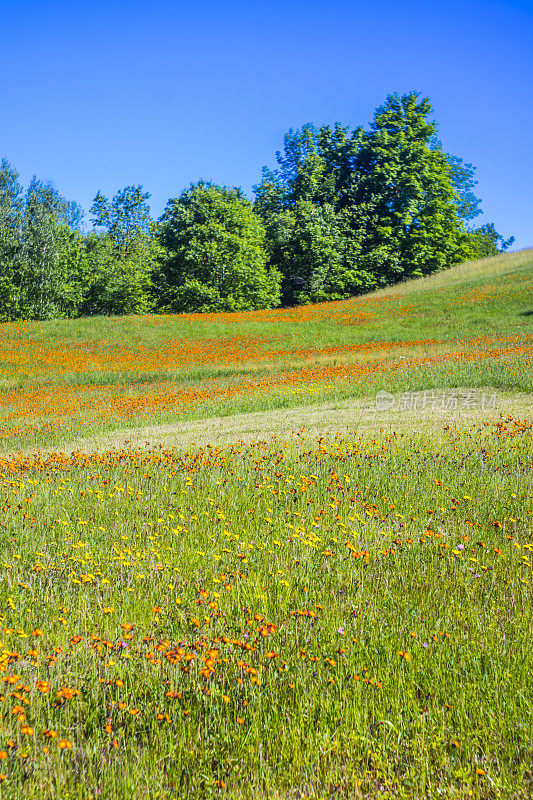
62	380
324	611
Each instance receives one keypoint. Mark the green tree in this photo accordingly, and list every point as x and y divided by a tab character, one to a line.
464	181
75	270
402	206
41	249
314	230
215	254
44	258
488	242
316	165
121	254
11	211
404	177
317	252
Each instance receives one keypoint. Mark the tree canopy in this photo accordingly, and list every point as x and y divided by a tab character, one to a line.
344	211
216	255
397	205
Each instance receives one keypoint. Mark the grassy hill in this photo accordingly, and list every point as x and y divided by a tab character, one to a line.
471	326
324	602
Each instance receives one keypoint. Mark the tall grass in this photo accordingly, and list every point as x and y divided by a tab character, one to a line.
346	616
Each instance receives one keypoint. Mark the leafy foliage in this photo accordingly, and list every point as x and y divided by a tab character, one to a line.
489	242
122	254
216	253
39	249
400	204
345	211
11	209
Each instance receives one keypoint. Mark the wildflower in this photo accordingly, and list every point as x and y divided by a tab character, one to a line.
67	693
64	744
404	654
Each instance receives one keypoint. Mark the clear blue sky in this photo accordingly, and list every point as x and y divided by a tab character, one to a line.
97	95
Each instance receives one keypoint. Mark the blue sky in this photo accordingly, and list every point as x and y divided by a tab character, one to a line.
100	95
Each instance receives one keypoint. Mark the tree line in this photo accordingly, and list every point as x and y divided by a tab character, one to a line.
344	212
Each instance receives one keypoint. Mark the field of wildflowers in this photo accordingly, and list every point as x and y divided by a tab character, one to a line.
327	616
349	617
64	380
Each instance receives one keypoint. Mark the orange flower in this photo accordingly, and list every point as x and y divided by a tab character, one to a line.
64	744
67	693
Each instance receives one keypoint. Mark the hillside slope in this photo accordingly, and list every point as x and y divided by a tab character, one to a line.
471	326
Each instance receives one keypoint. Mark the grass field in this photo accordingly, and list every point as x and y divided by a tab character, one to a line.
63	380
227	572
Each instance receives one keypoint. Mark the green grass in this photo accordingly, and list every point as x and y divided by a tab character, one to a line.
309	615
470	326
445	524
443	307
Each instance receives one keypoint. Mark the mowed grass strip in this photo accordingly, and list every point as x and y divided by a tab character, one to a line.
344	615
